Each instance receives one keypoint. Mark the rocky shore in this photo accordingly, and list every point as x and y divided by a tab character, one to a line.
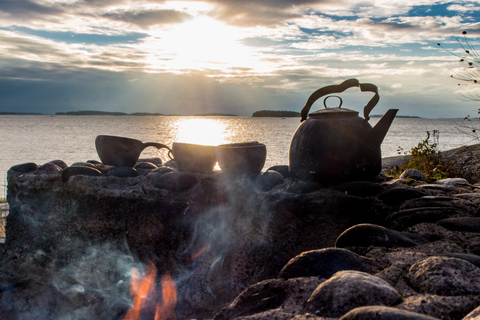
382	249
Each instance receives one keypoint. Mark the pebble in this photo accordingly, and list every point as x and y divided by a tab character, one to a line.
413	174
445	276
366	235
326	262
25	167
347	290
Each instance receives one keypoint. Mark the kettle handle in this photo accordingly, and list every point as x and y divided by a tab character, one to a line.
337	88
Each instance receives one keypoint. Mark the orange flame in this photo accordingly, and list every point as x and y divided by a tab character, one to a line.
143	293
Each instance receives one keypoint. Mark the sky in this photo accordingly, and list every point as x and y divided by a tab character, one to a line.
236	57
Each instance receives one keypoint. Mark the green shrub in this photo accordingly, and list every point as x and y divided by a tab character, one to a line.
424	157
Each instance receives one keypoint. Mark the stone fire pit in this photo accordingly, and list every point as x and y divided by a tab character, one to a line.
237	248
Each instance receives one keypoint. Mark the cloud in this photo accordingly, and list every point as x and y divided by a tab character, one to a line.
148	18
26	9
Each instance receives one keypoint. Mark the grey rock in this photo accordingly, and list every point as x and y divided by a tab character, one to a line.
145	166
445	276
453	308
360	188
470	224
271	298
302	186
176	181
123	172
365	235
474	315
161	170
79	170
62	164
403	219
347	290
456	182
94	162
383	313
440	201
413	174
398	195
472	258
268	180
282	169
48	169
25	167
155	161
326	262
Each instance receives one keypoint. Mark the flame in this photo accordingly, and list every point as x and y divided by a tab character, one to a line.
143	292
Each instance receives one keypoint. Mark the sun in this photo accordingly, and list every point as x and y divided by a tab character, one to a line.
203	43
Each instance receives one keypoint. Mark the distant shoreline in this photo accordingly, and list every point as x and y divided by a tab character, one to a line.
256	114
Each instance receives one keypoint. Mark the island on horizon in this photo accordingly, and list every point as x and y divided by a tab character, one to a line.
273	113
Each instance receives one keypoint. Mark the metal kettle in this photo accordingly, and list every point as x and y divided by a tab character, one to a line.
335	145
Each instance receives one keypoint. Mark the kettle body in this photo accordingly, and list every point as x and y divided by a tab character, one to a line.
335	145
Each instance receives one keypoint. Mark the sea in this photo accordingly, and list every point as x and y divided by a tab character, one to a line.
43	138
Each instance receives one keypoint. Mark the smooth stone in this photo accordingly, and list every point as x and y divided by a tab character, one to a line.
78	170
155	161
396	196
62	164
347	290
176	181
445	276
296	292
302	186
262	296
282	169
83	164
468	224
440	201
456	182
325	263
145	166
25	167
360	188
413	174
161	170
365	235
123	172
441	307
383	313
268	180
94	162
48	169
403	219
472	258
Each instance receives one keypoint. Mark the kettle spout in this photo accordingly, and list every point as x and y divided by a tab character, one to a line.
380	130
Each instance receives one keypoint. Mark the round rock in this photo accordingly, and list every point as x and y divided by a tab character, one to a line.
365	235
176	181
360	188
73	171
445	276
62	164
326	262
25	167
268	180
469	224
383	313
123	172
348	290
413	174
396	196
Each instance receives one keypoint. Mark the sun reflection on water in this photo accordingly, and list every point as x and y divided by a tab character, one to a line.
202	131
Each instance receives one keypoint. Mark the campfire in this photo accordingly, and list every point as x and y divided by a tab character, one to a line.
147	303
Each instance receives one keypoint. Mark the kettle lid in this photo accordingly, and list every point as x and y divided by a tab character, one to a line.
333	113
337	112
